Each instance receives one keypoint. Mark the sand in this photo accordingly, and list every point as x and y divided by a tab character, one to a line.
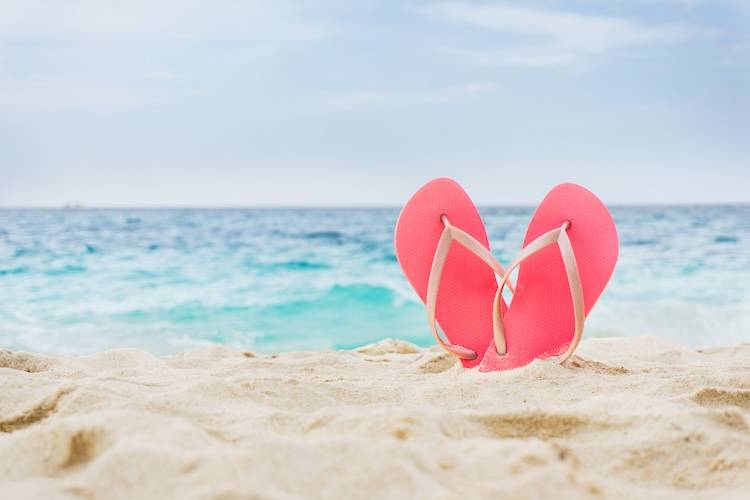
629	418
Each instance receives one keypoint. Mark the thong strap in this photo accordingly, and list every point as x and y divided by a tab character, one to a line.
559	236
449	235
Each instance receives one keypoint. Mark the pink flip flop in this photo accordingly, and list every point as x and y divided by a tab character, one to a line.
456	282
569	255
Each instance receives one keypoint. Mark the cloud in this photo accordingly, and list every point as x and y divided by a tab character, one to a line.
160	74
163	20
105	54
365	100
544	38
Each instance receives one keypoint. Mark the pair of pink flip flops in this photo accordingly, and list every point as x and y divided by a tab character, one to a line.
568	256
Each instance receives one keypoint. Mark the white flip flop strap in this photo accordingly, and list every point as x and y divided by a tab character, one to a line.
576	292
559	236
449	235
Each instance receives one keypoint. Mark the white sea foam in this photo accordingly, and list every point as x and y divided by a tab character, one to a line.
690	324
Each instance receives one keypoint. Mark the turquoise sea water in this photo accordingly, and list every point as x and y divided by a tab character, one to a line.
77	281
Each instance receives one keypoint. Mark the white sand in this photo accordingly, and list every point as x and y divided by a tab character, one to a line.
631	418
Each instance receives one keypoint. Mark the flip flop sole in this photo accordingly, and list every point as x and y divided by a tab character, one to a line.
468	285
539	322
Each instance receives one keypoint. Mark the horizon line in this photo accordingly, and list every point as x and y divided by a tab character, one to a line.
73	208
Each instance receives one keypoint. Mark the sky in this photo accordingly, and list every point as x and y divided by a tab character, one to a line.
347	102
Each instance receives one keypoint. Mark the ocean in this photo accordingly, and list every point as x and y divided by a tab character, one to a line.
82	280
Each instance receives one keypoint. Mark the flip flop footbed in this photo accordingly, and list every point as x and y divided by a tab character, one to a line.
540	322
468	285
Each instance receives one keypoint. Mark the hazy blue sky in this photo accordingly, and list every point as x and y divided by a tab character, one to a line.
360	102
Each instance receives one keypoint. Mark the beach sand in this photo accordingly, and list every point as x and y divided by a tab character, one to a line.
628	418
